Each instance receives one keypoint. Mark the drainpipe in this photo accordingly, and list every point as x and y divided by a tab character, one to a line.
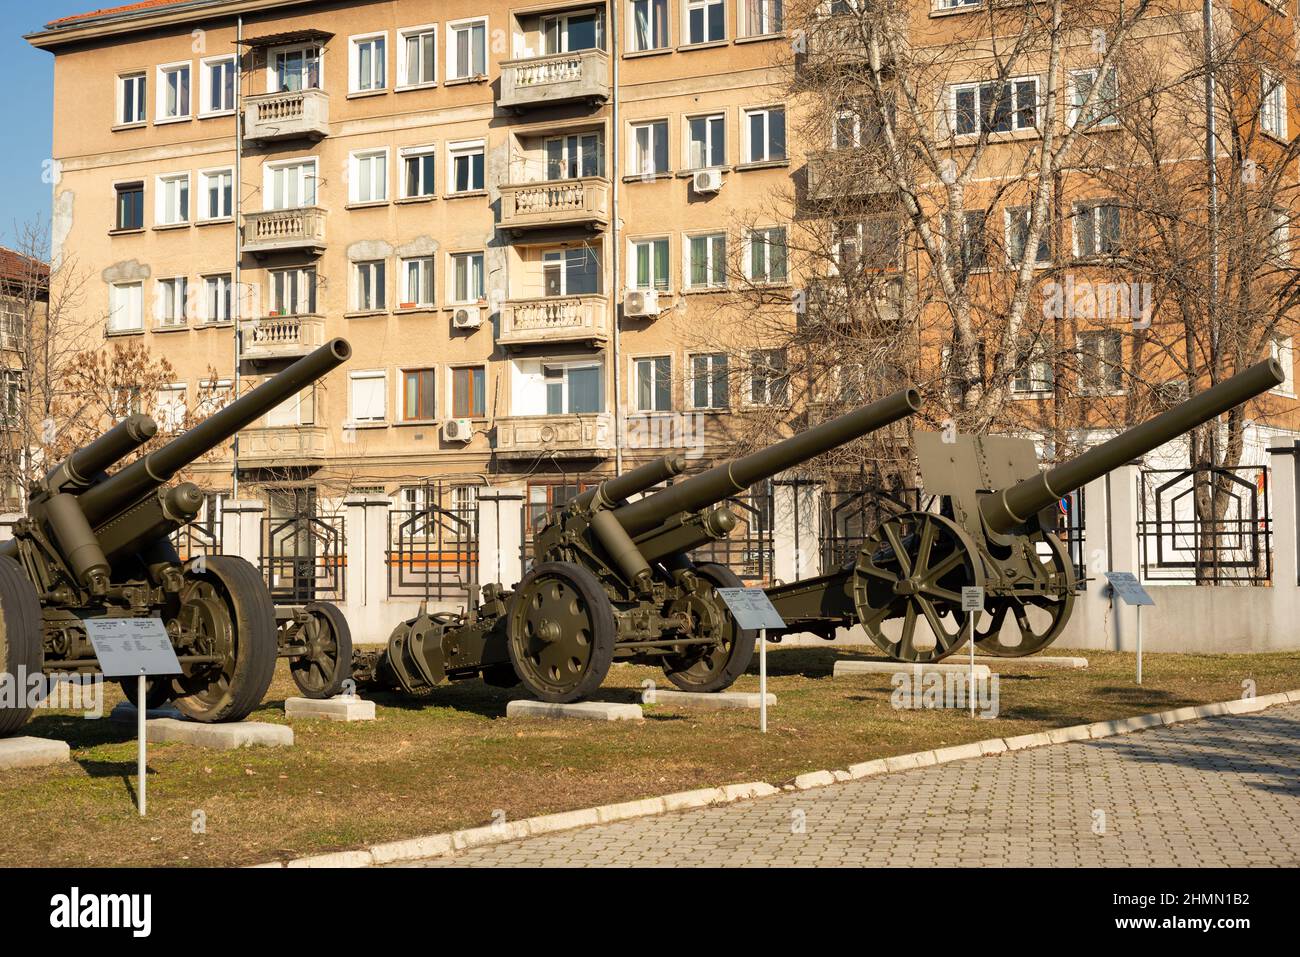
616	236
237	287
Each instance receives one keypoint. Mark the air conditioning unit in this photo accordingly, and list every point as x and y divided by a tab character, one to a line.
457	430
707	180
641	302
467	317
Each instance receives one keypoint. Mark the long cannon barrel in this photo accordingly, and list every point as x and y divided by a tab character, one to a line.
78	470
1008	508
609	493
726	480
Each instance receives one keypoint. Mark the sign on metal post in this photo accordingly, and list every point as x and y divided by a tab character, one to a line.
754	611
972	602
1129	590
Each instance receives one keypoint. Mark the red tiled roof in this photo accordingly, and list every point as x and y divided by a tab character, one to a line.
109	11
17	268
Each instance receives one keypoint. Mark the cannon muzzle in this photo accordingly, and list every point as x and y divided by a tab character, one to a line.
718	484
1005	509
609	493
79	470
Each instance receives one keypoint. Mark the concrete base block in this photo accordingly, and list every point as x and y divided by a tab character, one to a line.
588	710
220	737
846	668
32	753
716	701
331	709
124	713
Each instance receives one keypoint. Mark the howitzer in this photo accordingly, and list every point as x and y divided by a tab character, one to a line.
995	528
614	580
94	545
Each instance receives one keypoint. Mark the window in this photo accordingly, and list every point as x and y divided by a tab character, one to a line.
130	206
297	410
467	277
706	141
1034	374
1272	110
766	261
570	32
953	4
11	409
418	166
1018	237
467	49
369	286
1096	230
216	299
707	261
466	172
1103	109
650	264
1283	352
573	156
370	177
468	392
648	154
290	185
170	308
294	68
173	92
763	17
957	378
653	382
169	404
131	93
293	292
706	21
418	395
216	194
12	326
709	381
571	272
173	199
1279	234
969	250
994	107
368	395
765	139
218	86
649	24
214	395
1100	358
572	388
126	307
369	63
417	60
417	282
872	243
769	377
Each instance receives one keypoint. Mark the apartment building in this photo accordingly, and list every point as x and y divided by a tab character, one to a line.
24	298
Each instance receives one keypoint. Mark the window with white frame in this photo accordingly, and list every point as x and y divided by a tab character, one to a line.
993	107
1033	374
369	177
706	21
173	199
706	261
467	49
169	406
173	92
1272	110
869	243
369	286
708	388
706	141
762	17
368	64
467	277
648	153
769	377
1096	229
417	57
216	194
571	272
766	256
652	384
126	307
294	68
417	282
846	128
170	307
214	395
1279	233
574	30
1102	111
418	171
1017	225
558	387
217	86
954	4
217	298
296	410
650	264
465	167
1101	370
132	102
969	250
293	291
1283	351
369	396
574	155
649	25
765	134
11	410
290	185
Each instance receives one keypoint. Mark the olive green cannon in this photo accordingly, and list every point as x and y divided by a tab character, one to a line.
613	580
995	528
94	545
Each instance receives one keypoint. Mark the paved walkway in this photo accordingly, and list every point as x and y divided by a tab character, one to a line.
1217	792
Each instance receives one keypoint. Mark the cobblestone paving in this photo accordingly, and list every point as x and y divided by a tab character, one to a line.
1217	792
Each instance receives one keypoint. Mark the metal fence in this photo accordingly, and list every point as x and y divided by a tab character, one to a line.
433	550
1072	527
750	549
849	516
202	536
303	558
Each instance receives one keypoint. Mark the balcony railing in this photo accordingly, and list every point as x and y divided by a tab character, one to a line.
577	436
281	337
281	446
560	202
846	172
285	229
555	78
839	42
564	319
302	114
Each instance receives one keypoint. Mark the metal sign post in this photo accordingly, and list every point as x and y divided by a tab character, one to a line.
136	647
1126	587
754	611
972	602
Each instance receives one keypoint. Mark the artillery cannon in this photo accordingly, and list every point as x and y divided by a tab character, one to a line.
612	580
995	529
97	546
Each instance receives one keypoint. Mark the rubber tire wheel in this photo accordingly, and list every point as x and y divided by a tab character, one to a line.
20	637
157	692
742	648
603	631
337	623
256	645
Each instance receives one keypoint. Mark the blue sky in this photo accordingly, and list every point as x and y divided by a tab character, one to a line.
28	75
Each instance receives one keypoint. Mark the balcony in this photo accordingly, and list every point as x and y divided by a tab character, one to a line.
285	230
556	203
554	320
838	43
282	446
281	337
304	114
837	173
579	436
557	78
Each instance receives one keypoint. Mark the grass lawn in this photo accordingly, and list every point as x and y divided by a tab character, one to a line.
450	760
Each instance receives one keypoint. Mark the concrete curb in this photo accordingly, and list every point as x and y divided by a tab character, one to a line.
449	844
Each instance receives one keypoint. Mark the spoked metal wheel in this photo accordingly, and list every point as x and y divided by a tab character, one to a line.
560	632
716	666
913	568
1022	625
321	672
